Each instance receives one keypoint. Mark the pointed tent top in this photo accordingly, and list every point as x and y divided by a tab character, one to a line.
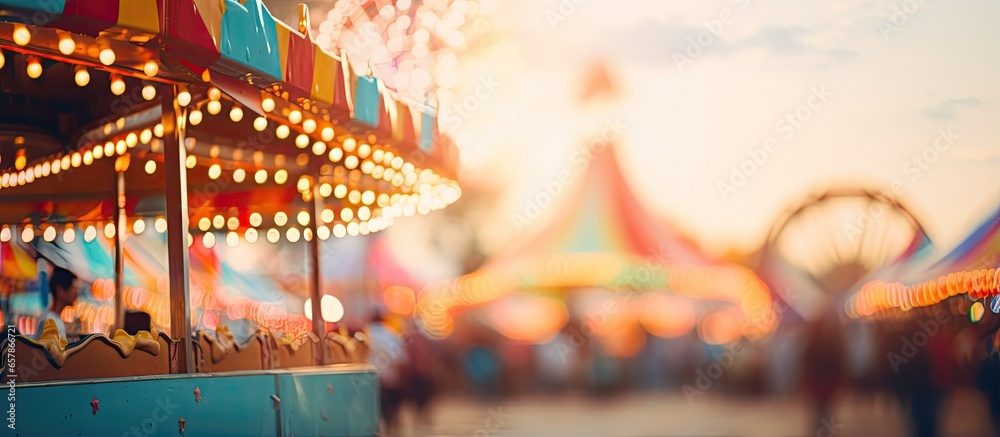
598	83
599	213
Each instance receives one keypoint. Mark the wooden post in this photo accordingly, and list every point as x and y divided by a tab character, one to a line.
174	122
315	277
121	226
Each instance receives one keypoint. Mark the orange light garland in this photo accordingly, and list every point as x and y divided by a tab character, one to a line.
726	283
880	295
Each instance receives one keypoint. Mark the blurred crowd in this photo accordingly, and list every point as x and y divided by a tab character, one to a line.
917	362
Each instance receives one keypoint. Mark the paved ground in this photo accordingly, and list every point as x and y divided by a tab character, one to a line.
671	415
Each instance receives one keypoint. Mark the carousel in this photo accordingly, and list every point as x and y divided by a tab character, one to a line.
190	162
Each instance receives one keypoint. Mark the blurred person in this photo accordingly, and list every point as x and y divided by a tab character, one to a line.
822	365
482	368
420	375
388	355
65	289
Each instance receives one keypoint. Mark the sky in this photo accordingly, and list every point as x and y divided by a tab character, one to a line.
729	112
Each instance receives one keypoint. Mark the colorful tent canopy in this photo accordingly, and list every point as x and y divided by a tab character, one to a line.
600	237
241	39
970	267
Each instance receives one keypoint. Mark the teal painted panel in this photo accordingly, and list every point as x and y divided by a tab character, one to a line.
427	131
230	406
41	11
249	37
345	404
366	102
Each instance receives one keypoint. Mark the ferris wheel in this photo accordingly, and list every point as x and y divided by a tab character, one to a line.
837	238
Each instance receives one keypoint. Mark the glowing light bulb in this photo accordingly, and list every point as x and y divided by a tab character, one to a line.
339	230
292	234
3	59
66	44
49	234
214	107
21	35
107	56
303	184
149	92
151	68
319	148
327	215
184	98
336	154
214	171
204	224
267	104
236	114
282	132
295	117
145	136
302	141
27	234
256	219
250	235
109	230
214	94
309	126
34	68
69	235
89	234
195	117
218	221
82	76
239	175
351	162
340	191
260	176
150	167
117	85
208	240
327	134
325	190
302	217
160	225
273	235
280	177
364	150
139	226
259	124
350	144
280	218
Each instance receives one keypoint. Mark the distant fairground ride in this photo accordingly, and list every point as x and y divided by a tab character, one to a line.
821	248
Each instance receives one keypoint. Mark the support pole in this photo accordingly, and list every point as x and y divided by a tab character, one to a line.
120	229
315	279
174	122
